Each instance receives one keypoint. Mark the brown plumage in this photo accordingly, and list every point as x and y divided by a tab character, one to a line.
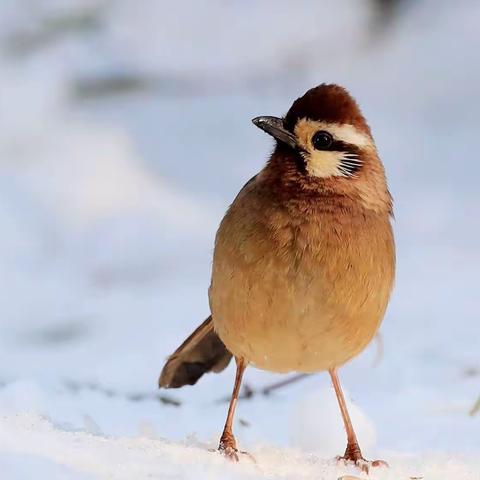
201	352
304	258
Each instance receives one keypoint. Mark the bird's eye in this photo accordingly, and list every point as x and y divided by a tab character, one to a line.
322	140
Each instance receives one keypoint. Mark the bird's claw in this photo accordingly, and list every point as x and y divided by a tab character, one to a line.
229	452
361	463
228	448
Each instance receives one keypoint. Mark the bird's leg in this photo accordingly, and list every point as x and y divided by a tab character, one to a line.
228	445
352	452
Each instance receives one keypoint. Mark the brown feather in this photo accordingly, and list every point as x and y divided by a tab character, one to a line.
200	353
330	103
304	265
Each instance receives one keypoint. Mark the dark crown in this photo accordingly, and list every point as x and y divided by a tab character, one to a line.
327	103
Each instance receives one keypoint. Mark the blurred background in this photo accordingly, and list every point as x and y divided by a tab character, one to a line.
125	133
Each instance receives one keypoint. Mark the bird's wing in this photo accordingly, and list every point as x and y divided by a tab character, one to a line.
200	353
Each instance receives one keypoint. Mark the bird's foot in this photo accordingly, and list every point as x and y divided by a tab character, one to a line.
229	453
353	455
228	448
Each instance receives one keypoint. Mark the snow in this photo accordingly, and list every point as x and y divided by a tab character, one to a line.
110	194
81	454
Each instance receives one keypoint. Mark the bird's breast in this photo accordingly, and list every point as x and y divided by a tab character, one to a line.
300	293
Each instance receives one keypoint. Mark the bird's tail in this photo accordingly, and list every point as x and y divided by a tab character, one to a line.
200	353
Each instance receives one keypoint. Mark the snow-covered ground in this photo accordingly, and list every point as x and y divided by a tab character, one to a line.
124	134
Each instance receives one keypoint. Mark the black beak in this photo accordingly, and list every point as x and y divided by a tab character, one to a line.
274	127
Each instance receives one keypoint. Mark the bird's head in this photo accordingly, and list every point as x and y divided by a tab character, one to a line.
325	143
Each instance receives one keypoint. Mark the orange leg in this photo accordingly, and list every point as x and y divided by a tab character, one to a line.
352	452
228	445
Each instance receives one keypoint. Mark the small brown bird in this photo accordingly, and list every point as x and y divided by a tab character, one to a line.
304	258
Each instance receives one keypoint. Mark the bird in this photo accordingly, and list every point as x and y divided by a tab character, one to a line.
304	258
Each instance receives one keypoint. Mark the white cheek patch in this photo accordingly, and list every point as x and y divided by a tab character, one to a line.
332	163
324	164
